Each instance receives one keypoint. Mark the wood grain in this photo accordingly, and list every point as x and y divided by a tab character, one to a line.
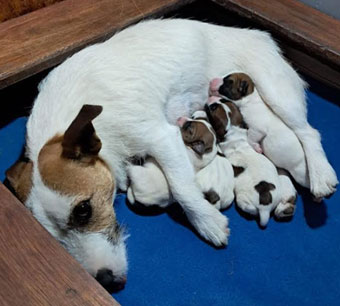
41	39
34	268
15	8
313	31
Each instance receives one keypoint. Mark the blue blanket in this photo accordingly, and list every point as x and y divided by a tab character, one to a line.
288	263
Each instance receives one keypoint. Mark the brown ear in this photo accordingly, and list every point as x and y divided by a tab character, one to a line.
236	117
20	178
80	140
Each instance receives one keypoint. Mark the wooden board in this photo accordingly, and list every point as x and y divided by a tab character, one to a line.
41	39
314	32
15	8
34	267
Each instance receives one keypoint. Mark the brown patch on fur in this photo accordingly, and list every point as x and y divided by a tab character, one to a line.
237	170
85	181
211	196
218	118
20	177
197	136
236	117
264	188
236	86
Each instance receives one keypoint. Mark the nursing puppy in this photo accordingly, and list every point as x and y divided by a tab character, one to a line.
214	173
257	185
164	75
266	131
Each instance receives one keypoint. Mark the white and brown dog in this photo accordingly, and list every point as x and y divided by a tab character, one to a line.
266	131
214	173
143	90
257	185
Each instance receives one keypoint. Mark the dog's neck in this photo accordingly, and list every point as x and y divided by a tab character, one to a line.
235	139
253	98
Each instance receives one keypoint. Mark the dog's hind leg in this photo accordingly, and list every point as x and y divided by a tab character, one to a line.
168	149
283	90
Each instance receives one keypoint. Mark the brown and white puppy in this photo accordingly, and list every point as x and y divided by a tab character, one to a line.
148	184
71	171
257	185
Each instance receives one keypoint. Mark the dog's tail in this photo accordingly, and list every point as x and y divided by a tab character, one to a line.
264	216
264	188
130	196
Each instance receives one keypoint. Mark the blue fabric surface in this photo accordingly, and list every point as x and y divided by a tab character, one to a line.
289	263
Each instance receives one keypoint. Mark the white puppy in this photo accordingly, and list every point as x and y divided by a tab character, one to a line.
214	173
143	89
257	185
266	131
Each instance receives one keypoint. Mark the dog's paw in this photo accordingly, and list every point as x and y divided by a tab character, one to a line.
211	225
257	148
285	210
324	183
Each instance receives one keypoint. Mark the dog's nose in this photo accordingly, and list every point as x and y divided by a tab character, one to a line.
111	283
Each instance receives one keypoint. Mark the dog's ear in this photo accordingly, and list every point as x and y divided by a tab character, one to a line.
198	147
236	117
80	141
19	176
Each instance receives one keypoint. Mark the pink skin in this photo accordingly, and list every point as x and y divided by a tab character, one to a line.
213	99
214	85
181	121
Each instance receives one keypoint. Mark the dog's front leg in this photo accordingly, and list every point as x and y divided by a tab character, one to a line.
170	152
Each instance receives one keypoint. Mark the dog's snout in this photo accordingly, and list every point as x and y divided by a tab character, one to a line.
111	283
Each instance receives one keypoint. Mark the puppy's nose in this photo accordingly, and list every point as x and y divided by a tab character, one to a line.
214	85
181	121
111	283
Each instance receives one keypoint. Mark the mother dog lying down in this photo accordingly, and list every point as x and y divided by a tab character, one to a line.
145	77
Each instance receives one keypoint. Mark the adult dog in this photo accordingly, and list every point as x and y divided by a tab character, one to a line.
144	77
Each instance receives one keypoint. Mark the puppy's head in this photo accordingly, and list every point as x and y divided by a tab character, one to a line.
222	115
234	86
70	191
199	137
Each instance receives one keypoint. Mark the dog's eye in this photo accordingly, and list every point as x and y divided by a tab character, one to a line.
82	213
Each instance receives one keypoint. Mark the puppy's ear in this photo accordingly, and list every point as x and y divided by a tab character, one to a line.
19	177
236	117
80	140
198	147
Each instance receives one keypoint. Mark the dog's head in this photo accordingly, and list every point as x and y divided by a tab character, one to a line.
70	191
222	115
234	86
199	137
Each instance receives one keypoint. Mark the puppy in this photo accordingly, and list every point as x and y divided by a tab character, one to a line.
164	76
278	142
214	173
257	185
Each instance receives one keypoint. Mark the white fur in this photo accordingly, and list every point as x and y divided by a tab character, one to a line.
288	192
151	73
279	143
257	168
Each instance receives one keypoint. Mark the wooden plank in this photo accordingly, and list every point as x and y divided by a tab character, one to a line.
41	39
314	32
15	8
34	268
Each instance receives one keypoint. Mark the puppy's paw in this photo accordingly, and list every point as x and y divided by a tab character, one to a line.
211	225
257	148
285	210
323	184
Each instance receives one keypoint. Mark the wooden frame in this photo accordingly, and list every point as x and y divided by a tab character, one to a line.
35	265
